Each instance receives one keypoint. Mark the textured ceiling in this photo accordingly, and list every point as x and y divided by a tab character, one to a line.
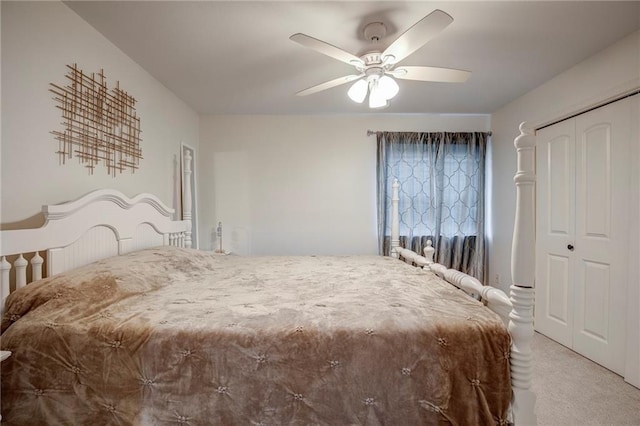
235	57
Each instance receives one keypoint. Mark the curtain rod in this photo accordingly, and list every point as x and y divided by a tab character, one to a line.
375	132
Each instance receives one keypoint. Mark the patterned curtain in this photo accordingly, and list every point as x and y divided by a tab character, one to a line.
441	179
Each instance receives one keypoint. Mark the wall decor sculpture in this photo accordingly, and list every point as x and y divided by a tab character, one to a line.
99	125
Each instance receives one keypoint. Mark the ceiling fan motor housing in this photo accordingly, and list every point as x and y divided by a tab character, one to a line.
372	58
374	32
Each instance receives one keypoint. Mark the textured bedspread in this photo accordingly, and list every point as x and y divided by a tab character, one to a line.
173	336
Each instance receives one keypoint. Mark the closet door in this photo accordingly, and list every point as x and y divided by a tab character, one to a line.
601	234
555	223
582	242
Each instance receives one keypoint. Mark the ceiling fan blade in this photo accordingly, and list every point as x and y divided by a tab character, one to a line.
326	49
443	75
329	84
418	35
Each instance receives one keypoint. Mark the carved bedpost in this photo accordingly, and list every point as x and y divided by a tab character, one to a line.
186	194
523	273
5	268
395	219
21	271
36	267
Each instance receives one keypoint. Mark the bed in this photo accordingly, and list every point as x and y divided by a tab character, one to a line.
131	326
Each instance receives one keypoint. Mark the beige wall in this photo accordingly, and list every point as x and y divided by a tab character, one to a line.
38	40
299	184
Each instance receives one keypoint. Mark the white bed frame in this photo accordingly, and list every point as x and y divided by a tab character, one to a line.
106	223
101	224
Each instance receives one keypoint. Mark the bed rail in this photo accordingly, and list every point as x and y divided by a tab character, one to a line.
495	299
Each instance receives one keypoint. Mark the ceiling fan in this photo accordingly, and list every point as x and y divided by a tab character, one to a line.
377	69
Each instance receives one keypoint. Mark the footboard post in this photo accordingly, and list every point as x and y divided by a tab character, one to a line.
186	191
522	290
395	219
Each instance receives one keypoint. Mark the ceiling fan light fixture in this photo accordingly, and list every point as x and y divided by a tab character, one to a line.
380	88
377	97
377	102
358	91
388	87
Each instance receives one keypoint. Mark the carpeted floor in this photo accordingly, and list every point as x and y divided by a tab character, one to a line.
573	390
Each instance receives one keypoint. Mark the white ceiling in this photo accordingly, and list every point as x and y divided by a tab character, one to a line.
235	57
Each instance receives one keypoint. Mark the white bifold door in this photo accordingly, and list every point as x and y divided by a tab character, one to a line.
582	237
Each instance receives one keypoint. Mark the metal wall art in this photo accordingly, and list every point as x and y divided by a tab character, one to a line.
99	125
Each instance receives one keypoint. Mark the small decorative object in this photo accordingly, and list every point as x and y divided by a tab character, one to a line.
219	234
99	125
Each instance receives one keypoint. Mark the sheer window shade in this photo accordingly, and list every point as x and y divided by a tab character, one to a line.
441	179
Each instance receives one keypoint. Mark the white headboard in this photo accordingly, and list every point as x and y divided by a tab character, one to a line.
100	224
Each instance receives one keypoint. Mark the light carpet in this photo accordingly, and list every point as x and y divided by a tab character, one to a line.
573	390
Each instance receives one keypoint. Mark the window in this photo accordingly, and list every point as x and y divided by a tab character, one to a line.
441	179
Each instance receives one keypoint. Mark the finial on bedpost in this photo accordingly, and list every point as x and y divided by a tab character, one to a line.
186	191
36	267
429	251
523	274
395	219
5	268
21	271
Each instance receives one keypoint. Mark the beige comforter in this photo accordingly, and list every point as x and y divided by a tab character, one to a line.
174	336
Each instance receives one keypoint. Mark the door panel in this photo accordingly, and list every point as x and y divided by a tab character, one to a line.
596	172
594	303
555	213
601	242
559	184
557	295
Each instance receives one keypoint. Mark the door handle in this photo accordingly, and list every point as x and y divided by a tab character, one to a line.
570	247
